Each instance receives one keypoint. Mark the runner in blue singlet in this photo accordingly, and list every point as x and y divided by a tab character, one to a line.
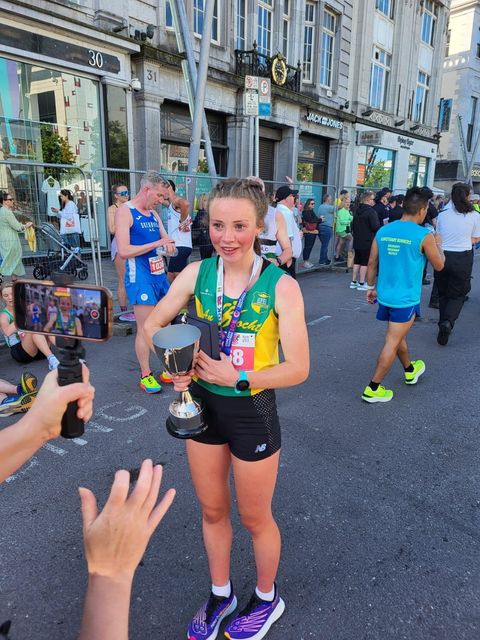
139	233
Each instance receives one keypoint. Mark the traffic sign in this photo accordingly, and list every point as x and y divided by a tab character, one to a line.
258	101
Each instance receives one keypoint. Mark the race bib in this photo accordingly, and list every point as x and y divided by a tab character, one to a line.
157	266
242	354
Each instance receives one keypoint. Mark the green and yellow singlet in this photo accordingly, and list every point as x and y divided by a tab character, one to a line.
255	343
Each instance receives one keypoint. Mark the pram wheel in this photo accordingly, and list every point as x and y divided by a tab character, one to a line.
39	272
82	274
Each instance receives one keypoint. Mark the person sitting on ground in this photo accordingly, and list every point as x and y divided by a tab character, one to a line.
24	347
17	398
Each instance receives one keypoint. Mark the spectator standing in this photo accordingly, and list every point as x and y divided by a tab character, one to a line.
365	225
396	207
343	228
70	228
180	230
381	205
285	199
326	213
459	226
310	224
120	196
200	234
10	247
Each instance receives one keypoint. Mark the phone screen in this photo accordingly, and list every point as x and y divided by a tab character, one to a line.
81	311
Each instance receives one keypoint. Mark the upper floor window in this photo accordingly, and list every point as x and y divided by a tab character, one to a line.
385	7
198	18
447	42
308	41
471	122
285	27
421	96
329	27
429	19
264	27
241	24
168	15
379	78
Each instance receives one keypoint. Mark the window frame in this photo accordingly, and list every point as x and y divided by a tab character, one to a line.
240	21
331	34
430	13
383	67
423	89
309	26
285	32
168	10
385	7
265	8
196	10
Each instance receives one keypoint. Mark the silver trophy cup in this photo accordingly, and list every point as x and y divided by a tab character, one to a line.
176	346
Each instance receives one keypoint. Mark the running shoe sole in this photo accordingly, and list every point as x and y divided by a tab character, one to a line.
226	613
149	391
28	382
21	406
415	379
279	609
373	399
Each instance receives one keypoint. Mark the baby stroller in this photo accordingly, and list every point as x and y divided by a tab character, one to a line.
60	256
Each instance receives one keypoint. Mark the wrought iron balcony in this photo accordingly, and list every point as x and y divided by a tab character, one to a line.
253	63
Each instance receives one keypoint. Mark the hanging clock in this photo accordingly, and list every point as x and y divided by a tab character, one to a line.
279	71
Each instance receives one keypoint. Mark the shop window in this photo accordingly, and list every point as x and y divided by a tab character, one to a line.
264	27
117	133
379	168
417	171
379	78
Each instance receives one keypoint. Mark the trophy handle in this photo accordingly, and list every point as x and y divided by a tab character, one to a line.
186	396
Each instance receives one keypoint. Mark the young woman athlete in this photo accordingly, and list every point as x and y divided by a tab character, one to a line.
257	305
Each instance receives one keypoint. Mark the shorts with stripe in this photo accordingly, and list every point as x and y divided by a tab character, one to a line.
248	424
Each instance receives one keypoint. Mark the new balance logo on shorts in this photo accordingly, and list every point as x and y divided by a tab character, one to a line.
261	448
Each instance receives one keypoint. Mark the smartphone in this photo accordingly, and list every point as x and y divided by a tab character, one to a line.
77	311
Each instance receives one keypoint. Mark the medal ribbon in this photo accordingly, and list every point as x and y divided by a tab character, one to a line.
225	338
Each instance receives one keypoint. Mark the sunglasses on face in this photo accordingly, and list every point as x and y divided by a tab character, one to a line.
122	193
11	199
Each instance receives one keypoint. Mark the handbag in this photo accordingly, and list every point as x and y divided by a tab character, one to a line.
310	226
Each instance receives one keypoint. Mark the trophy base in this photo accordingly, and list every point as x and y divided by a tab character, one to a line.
183	428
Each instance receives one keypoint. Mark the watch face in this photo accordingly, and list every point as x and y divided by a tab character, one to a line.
242	385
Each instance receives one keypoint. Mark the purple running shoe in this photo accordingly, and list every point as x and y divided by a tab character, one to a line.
208	618
254	622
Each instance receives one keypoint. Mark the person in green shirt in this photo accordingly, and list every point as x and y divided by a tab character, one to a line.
343	220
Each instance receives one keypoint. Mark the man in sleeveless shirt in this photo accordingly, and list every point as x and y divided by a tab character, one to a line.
398	254
180	230
140	233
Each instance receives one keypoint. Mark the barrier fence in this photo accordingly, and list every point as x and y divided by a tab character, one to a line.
35	187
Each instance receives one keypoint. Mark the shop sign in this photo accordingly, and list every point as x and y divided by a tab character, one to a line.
58	49
370	138
405	143
476	172
325	121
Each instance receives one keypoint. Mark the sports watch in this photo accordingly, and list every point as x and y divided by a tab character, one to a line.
242	383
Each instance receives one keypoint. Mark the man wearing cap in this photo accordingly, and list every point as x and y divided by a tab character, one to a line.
285	199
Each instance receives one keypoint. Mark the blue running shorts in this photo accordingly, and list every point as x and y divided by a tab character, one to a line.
394	314
147	292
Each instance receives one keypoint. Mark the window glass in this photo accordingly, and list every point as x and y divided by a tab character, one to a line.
417	171
168	14
198	17
327	50
264	31
379	78
421	96
308	41
429	17
385	7
379	167
240	23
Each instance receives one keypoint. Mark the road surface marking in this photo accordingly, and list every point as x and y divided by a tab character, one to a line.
93	426
80	441
317	320
140	411
54	449
31	463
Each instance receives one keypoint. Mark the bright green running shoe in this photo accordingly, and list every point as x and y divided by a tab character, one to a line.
27	384
149	384
411	377
380	395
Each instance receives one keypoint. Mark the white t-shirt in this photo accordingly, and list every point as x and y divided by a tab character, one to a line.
51	191
292	230
69	219
457	229
182	238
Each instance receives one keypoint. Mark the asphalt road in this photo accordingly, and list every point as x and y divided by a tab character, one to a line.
379	505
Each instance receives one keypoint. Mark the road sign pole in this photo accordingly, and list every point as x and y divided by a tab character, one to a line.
256	169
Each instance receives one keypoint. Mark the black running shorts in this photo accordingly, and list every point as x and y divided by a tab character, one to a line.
248	424
19	354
